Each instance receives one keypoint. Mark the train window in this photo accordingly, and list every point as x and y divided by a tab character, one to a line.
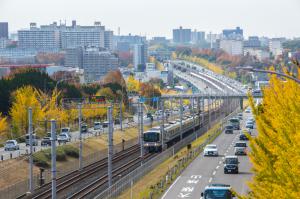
151	137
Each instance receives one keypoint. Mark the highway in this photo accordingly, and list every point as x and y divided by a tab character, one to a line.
207	170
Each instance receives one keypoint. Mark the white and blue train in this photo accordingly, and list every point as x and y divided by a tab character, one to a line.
153	139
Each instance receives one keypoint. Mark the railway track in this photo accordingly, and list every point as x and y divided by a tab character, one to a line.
74	177
66	184
86	191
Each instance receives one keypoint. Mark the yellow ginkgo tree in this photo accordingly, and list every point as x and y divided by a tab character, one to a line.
3	125
23	98
53	110
275	152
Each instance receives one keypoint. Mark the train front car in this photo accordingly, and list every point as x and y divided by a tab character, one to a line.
152	140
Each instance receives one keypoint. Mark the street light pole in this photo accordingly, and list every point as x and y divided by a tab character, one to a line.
31	188
270	72
80	135
53	158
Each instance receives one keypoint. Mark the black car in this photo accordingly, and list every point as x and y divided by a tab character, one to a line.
243	137
84	128
46	141
149	115
229	129
117	121
231	164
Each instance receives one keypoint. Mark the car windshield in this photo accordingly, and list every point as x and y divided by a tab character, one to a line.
151	137
240	144
231	161
229	127
211	147
234	120
217	194
27	137
65	130
10	143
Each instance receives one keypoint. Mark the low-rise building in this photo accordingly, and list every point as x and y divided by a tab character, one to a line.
258	53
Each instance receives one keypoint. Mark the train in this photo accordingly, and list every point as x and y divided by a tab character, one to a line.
152	139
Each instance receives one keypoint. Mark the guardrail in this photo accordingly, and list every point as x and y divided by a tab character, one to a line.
125	182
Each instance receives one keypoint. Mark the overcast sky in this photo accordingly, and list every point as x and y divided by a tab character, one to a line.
272	18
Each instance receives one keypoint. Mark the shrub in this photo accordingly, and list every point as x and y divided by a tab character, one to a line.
60	154
71	151
40	160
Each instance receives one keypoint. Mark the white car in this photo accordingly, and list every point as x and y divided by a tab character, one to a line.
211	150
11	145
97	125
248	110
63	138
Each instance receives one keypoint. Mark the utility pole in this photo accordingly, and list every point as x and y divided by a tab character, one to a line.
141	131
181	136
31	188
121	120
162	123
110	144
199	109
171	110
193	113
203	111
53	158
80	135
209	114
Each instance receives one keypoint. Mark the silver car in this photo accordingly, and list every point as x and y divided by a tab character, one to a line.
11	145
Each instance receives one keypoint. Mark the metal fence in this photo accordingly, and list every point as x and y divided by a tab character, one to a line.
21	187
124	183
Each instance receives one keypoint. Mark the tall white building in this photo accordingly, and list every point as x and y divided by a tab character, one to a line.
83	36
37	38
198	37
275	46
232	47
140	56
97	64
108	39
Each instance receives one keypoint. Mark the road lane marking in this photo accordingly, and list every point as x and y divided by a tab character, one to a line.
214	173
170	187
220	162
218	167
210	179
223	157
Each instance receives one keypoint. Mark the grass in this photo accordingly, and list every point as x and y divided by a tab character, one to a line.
145	185
43	158
16	170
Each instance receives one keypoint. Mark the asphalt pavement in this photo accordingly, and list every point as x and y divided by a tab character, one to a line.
207	170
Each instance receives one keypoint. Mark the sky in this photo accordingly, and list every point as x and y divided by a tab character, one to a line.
273	18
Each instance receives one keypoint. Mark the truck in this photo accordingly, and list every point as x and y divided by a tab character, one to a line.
218	191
